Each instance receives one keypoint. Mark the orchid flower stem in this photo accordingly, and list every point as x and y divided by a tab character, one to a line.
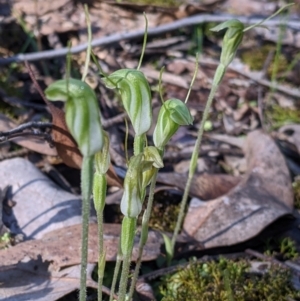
116	272
101	258
139	142
86	188
124	277
144	234
127	241
193	162
99	193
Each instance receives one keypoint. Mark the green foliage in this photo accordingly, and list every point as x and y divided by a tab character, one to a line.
5	240
227	280
164	216
8	79
7	110
283	249
255	58
296	188
277	116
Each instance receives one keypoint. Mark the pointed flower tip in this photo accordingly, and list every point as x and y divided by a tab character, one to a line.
234	23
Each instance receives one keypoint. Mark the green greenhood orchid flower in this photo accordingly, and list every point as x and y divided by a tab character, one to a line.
136	97
82	113
172	114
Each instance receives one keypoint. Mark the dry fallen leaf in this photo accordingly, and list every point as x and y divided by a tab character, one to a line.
41	206
62	247
65	144
263	195
31	280
204	186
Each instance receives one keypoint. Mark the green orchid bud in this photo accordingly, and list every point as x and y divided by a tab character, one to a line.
231	41
154	160
136	97
127	234
131	203
99	191
82	113
151	153
172	114
102	158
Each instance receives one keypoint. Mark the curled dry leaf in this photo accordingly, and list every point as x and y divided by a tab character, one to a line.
263	195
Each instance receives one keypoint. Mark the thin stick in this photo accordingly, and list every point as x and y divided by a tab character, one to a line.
112	39
35	83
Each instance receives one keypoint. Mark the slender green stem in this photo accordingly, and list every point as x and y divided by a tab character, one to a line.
99	193
276	60
116	272
144	42
101	259
127	241
144	234
124	277
139	143
193	162
86	188
89	47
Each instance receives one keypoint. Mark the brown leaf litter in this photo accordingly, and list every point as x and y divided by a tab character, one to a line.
263	195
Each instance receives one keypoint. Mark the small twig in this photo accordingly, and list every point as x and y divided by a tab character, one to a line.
36	84
260	106
108	40
44	136
266	83
19	131
177	155
106	123
273	260
13	154
25	126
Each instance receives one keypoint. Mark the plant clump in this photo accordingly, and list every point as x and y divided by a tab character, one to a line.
296	188
278	116
227	280
282	249
256	58
164	216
